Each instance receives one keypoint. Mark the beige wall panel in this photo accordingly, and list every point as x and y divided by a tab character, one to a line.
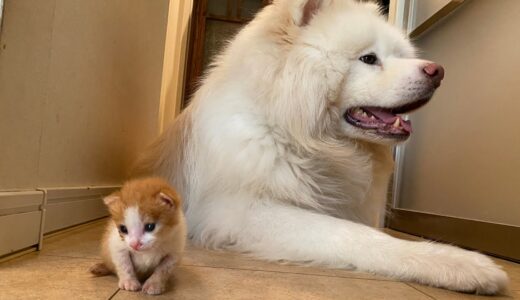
79	89
105	80
24	61
81	93
464	156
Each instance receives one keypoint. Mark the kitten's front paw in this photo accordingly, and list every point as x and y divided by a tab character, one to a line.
153	287
129	284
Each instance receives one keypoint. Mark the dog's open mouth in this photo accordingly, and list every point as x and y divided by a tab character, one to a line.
383	121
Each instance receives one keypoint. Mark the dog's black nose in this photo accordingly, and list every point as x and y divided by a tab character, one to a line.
435	72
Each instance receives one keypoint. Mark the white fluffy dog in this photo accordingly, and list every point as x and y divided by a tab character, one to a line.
285	150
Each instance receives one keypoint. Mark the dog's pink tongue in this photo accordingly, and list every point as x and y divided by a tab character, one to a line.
382	115
389	118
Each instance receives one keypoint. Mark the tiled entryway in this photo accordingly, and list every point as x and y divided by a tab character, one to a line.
60	271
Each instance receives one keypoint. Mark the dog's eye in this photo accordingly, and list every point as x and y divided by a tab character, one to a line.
123	229
369	59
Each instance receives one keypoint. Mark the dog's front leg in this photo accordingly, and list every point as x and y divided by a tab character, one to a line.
275	231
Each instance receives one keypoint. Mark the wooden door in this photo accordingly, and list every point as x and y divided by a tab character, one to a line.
214	23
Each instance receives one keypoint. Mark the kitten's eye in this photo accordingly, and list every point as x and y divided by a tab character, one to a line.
369	59
123	229
149	227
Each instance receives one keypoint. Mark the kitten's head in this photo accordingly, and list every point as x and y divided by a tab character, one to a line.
145	212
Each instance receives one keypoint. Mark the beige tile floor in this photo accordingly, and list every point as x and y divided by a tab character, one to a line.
59	271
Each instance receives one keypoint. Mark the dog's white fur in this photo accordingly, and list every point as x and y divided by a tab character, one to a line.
267	165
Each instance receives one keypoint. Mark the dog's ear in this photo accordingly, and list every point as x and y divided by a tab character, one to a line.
304	10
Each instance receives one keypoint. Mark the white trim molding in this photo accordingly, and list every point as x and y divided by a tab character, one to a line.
415	17
28	215
67	207
20	218
1	15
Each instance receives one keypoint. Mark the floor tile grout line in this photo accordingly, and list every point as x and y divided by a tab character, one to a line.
75	228
424	293
295	273
240	269
67	256
114	294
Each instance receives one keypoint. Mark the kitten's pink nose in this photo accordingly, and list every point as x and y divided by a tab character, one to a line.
435	72
136	245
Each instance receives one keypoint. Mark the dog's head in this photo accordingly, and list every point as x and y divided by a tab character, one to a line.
351	71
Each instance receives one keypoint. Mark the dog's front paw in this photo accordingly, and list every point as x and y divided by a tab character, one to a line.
481	275
129	284
153	287
464	271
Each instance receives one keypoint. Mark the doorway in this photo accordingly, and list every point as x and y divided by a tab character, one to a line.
213	24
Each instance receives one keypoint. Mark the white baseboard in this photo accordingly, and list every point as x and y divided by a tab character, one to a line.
71	206
26	215
20	218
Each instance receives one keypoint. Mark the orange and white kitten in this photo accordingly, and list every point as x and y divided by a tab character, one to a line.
145	238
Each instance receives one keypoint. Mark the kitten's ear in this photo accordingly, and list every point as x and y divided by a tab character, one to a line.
303	11
169	198
112	198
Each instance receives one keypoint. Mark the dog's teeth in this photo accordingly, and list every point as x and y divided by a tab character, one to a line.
397	123
372	118
365	115
359	111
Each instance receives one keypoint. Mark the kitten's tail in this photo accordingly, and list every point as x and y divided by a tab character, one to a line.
100	269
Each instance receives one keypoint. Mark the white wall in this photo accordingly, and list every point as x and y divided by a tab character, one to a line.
464	156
